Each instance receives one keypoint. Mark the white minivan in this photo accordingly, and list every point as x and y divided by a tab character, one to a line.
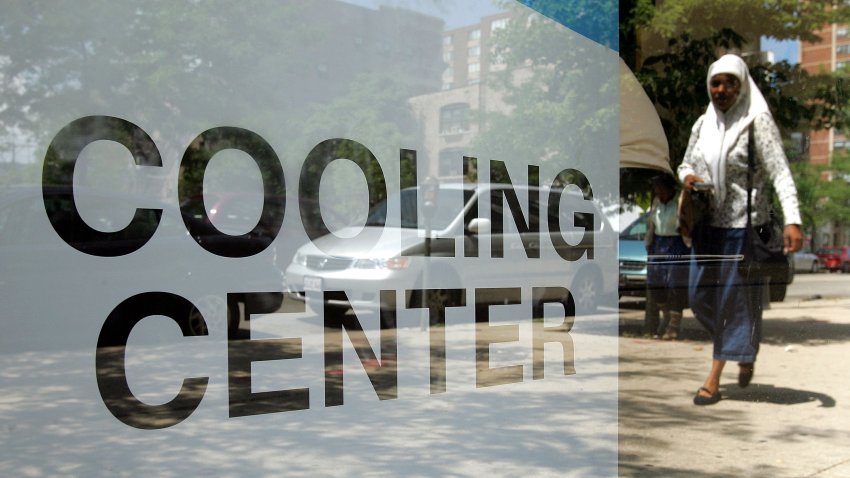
554	244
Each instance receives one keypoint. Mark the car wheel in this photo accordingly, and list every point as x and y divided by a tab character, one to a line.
211	315
195	323
568	302
587	291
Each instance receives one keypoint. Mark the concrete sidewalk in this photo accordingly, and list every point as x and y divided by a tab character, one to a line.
792	421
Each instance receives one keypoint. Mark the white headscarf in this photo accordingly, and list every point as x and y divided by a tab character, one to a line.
720	130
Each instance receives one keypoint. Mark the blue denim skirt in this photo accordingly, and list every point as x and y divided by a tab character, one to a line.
728	307
668	269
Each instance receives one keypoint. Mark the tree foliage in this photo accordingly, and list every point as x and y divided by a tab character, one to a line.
646	25
555	93
676	83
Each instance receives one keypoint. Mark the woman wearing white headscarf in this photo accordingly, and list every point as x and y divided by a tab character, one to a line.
717	153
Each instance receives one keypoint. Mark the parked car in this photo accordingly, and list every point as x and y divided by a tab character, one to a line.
633	258
805	261
835	258
391	254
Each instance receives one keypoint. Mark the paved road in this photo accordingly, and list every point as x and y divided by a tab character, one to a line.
793	420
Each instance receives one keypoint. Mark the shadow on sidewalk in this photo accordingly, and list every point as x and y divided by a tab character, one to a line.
775	331
775	395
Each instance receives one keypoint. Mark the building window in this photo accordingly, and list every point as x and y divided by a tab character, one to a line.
451	163
841	144
447	57
454	118
473	69
447	40
474	51
497	60
474	35
499	24
840	49
842	32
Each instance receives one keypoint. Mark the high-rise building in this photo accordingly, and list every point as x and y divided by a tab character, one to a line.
830	54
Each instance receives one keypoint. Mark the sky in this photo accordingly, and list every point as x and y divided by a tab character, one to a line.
783	50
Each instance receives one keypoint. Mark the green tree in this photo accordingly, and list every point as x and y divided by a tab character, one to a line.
799	101
808	182
833	196
646	25
550	90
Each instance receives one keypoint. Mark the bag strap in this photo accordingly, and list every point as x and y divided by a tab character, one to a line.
751	152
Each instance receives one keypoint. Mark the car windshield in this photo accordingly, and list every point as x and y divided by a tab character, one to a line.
635	231
447	208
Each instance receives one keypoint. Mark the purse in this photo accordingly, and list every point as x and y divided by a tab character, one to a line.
764	246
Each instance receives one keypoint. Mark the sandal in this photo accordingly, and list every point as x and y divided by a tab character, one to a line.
745	373
710	400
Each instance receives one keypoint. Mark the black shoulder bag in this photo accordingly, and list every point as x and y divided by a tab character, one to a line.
763	254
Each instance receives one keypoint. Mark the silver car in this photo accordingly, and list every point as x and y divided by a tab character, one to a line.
567	264
806	262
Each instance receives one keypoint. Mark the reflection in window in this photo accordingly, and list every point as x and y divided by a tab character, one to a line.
451	163
454	118
499	24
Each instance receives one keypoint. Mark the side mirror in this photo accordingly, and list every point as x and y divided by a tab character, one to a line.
479	225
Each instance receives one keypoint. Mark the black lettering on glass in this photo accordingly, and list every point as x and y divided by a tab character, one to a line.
558	333
195	160
436	301
529	230
571	252
242	353
383	374
486	334
58	182
110	369
317	161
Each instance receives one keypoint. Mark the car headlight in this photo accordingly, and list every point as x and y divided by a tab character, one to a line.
300	259
393	263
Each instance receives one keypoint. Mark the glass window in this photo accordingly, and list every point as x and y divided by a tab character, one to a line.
499	24
454	118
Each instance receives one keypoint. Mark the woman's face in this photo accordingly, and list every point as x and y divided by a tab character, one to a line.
724	89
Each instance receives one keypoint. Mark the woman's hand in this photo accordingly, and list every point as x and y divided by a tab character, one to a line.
793	238
690	179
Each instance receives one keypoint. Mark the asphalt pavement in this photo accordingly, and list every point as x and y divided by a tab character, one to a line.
792	421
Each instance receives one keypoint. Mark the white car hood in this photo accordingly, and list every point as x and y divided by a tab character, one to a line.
370	242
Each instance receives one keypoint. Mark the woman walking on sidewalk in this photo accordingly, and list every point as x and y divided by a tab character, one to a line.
717	153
